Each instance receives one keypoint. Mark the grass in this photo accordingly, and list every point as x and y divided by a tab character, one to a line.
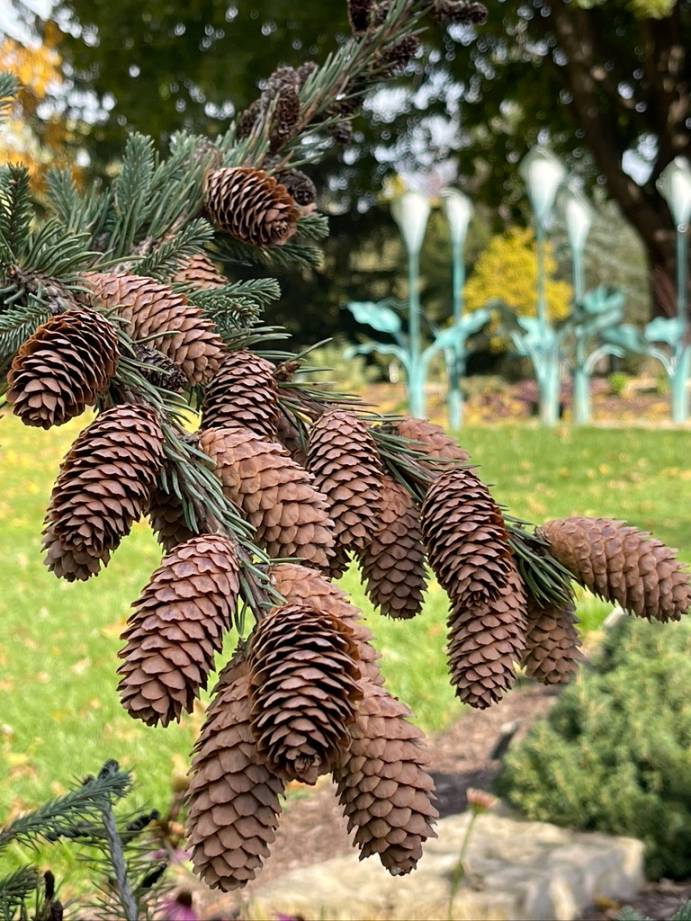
60	715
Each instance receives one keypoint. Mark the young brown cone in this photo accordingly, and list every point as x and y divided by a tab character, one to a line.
167	519
433	440
623	565
104	486
177	625
275	495
233	797
383	784
300	585
393	563
304	687
552	653
250	205
484	642
343	459
243	392
359	15
200	271
62	368
465	12
289	436
164	318
466	538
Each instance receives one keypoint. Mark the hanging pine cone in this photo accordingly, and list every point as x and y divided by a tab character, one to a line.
165	319
233	798
250	205
62	368
433	440
306	587
359	15
286	115
103	487
342	132
244	392
304	687
552	653
159	370
383	785
393	563
460	11
622	564
289	436
177	625
248	118
485	640
276	496
394	59
167	518
466	538
300	187
200	271
343	459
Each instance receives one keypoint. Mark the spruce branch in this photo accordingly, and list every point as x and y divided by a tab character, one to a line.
15	212
15	889
9	87
165	257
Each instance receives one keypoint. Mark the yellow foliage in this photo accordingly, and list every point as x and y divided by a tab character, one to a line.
507	271
36	68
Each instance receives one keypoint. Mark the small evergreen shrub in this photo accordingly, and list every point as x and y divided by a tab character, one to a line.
614	754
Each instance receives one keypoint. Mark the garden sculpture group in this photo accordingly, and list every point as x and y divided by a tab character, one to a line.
114	298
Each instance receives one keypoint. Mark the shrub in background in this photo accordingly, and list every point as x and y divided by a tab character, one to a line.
614	754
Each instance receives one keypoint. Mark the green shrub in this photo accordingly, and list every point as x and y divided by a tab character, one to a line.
618	382
614	753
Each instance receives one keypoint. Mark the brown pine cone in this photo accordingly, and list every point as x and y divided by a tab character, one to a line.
276	496
286	115
289	436
622	564
359	15
243	392
248	118
300	187
466	538
177	625
433	440
343	459
393	563
383	784
104	486
160	370
167	519
304	686
250	205
307	587
552	653
460	11
485	640
200	271
165	319
234	800
62	368
394	59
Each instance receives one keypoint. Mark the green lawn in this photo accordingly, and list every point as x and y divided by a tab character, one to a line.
60	715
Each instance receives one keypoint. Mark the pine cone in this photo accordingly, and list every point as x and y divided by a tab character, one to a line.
343	459
394	59
289	436
393	563
200	271
460	11
250	205
300	187
159	370
342	132
165	319
359	15
286	115
233	798
466	538
383	785
62	368
167	519
276	496
622	564
306	587
103	487
178	622
248	118
552	654
304	687
484	642
433	440
244	392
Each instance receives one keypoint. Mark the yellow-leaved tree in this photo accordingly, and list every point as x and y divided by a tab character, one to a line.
507	271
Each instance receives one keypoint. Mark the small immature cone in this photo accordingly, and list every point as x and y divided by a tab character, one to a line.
304	685
200	271
233	797
383	784
622	564
300	585
466	538
464	12
393	563
433	440
359	15
343	459
177	625
485	640
275	495
167	519
62	368
164	318
552	653
243	392
288	435
104	486
250	205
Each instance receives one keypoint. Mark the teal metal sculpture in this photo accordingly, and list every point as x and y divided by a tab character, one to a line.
459	211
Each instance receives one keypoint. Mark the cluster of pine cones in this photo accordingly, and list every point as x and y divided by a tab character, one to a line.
303	695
